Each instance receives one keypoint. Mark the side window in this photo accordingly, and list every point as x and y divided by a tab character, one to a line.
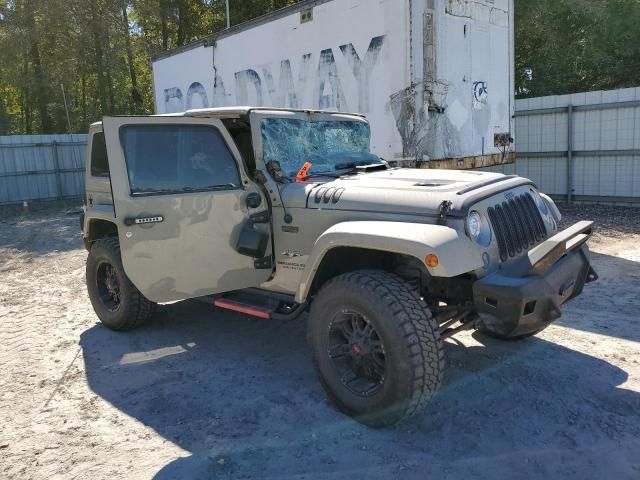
99	160
177	158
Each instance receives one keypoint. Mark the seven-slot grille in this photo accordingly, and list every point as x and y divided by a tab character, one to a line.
517	224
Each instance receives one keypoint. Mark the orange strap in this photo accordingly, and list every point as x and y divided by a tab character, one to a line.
302	173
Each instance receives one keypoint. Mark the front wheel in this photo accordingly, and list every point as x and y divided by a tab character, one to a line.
376	347
116	301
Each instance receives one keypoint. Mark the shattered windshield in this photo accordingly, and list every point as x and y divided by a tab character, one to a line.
327	145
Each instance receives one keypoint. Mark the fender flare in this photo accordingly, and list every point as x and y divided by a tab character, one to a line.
100	213
457	254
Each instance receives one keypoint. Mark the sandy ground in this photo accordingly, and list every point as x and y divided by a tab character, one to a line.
204	394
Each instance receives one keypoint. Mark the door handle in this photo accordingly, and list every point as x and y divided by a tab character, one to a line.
143	220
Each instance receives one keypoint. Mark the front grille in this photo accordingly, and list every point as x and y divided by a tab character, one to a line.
517	224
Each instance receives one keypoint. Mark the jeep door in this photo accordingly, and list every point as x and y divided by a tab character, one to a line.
181	194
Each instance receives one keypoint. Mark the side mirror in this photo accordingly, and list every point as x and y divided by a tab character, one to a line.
253	200
251	241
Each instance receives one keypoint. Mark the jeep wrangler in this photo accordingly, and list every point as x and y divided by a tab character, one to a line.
273	213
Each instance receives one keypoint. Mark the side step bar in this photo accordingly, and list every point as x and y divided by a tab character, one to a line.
251	310
260	311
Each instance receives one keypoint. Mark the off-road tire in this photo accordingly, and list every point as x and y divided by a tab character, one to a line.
134	309
414	356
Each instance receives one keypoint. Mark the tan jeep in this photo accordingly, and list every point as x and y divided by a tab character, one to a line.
274	212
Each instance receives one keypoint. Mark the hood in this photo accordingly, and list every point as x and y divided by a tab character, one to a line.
400	190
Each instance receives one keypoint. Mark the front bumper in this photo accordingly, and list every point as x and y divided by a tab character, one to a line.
526	296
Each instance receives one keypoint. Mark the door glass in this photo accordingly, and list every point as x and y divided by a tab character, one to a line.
99	159
165	159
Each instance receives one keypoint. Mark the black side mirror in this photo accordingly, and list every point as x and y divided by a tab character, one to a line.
253	200
252	242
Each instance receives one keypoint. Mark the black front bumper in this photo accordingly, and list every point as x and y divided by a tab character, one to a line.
526	297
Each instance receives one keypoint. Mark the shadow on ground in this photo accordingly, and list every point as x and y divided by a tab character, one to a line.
240	395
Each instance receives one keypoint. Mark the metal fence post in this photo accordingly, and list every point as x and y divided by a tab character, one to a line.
56	170
570	154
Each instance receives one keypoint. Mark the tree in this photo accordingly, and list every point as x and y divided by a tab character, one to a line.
99	50
565	46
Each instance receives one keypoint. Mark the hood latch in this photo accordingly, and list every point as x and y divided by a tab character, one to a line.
445	209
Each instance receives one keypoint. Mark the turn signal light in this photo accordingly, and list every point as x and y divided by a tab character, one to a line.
431	261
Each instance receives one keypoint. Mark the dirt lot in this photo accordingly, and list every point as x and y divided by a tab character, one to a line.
204	394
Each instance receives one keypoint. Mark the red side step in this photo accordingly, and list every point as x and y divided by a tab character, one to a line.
242	308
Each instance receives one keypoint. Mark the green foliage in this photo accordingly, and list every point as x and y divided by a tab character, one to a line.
566	46
99	50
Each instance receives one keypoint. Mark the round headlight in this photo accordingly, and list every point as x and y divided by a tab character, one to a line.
478	228
540	203
474	223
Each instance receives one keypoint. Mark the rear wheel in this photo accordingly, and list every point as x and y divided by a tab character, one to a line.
116	301
375	346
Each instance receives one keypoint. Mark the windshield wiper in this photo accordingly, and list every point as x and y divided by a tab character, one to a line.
363	166
324	174
349	165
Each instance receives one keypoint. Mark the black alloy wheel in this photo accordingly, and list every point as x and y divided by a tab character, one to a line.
357	352
108	286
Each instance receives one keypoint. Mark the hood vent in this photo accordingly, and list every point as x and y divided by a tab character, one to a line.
429	184
328	195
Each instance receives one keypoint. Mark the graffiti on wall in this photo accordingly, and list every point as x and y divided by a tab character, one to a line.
426	122
258	86
480	94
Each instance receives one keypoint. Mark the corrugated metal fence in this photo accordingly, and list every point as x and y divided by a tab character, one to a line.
41	167
583	147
